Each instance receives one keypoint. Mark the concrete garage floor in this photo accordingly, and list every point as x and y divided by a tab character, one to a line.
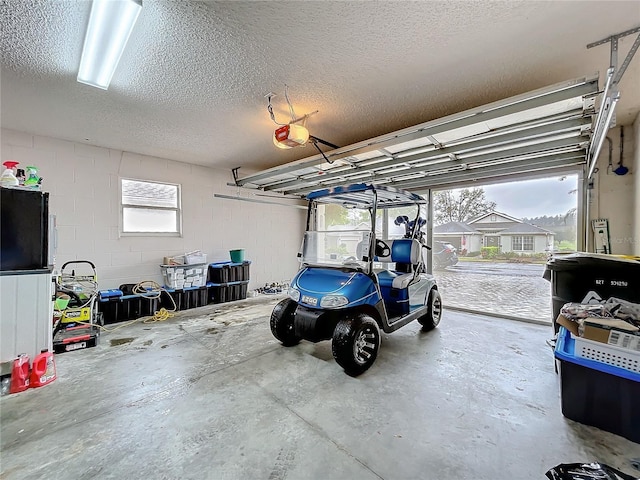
211	394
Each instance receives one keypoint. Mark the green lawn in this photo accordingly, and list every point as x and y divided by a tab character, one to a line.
503	260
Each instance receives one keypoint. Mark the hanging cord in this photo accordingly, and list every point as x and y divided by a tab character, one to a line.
270	109
610	166
292	113
286	96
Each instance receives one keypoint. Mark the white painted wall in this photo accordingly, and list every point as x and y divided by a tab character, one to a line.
635	166
614	196
541	243
83	182
505	243
474	243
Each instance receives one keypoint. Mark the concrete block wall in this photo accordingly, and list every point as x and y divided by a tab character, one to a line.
83	182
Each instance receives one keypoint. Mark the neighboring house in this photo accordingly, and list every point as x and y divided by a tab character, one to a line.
345	237
495	229
460	235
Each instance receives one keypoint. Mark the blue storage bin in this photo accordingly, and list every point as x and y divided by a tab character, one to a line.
113	293
598	394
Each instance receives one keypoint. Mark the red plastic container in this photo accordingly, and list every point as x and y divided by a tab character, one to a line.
44	369
20	374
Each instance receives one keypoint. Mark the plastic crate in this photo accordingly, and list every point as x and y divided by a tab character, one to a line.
184	276
597	394
195	258
609	354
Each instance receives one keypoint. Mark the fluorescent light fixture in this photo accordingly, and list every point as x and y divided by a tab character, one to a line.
110	26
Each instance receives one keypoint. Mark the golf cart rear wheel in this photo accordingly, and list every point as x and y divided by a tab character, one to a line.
281	323
434	311
355	343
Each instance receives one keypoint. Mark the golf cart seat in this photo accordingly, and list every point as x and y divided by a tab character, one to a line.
405	252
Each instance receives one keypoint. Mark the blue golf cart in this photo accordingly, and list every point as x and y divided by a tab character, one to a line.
351	283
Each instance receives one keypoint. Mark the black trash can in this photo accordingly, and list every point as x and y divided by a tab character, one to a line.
574	276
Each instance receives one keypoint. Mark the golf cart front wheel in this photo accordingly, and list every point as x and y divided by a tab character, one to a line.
434	311
355	343
281	322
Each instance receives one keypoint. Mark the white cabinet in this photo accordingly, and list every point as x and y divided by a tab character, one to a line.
26	311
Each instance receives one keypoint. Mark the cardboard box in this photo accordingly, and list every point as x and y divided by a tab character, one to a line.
600	329
568	324
179	260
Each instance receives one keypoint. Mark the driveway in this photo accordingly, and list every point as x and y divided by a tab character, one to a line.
512	289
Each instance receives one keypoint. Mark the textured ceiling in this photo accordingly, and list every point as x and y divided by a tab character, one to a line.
191	83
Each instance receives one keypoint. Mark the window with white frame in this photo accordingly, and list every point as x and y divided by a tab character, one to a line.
150	207
522	243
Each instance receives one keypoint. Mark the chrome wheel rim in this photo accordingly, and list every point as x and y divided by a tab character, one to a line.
364	345
436	309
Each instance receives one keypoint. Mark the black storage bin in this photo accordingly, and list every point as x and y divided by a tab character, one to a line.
235	292
110	310
228	272
201	296
235	273
220	293
178	297
147	307
219	273
245	271
195	297
600	400
598	394
130	307
573	276
243	291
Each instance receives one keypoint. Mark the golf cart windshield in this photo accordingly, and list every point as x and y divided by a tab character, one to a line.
343	228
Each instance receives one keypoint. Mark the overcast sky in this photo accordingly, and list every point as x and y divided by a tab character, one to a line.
534	198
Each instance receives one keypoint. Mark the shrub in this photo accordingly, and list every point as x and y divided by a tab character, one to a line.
489	252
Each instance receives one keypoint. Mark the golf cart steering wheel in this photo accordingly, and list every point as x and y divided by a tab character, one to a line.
382	249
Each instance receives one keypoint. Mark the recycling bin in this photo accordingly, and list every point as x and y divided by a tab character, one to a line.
579	276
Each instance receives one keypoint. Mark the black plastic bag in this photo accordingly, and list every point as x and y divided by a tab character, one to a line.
587	471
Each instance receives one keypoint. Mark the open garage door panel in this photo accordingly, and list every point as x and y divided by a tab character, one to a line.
546	131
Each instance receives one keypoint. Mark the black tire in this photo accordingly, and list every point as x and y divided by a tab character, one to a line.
281	322
355	343
434	311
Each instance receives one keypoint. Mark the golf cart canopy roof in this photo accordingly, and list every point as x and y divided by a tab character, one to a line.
363	195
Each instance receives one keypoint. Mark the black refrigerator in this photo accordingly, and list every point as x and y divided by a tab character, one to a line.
24	229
